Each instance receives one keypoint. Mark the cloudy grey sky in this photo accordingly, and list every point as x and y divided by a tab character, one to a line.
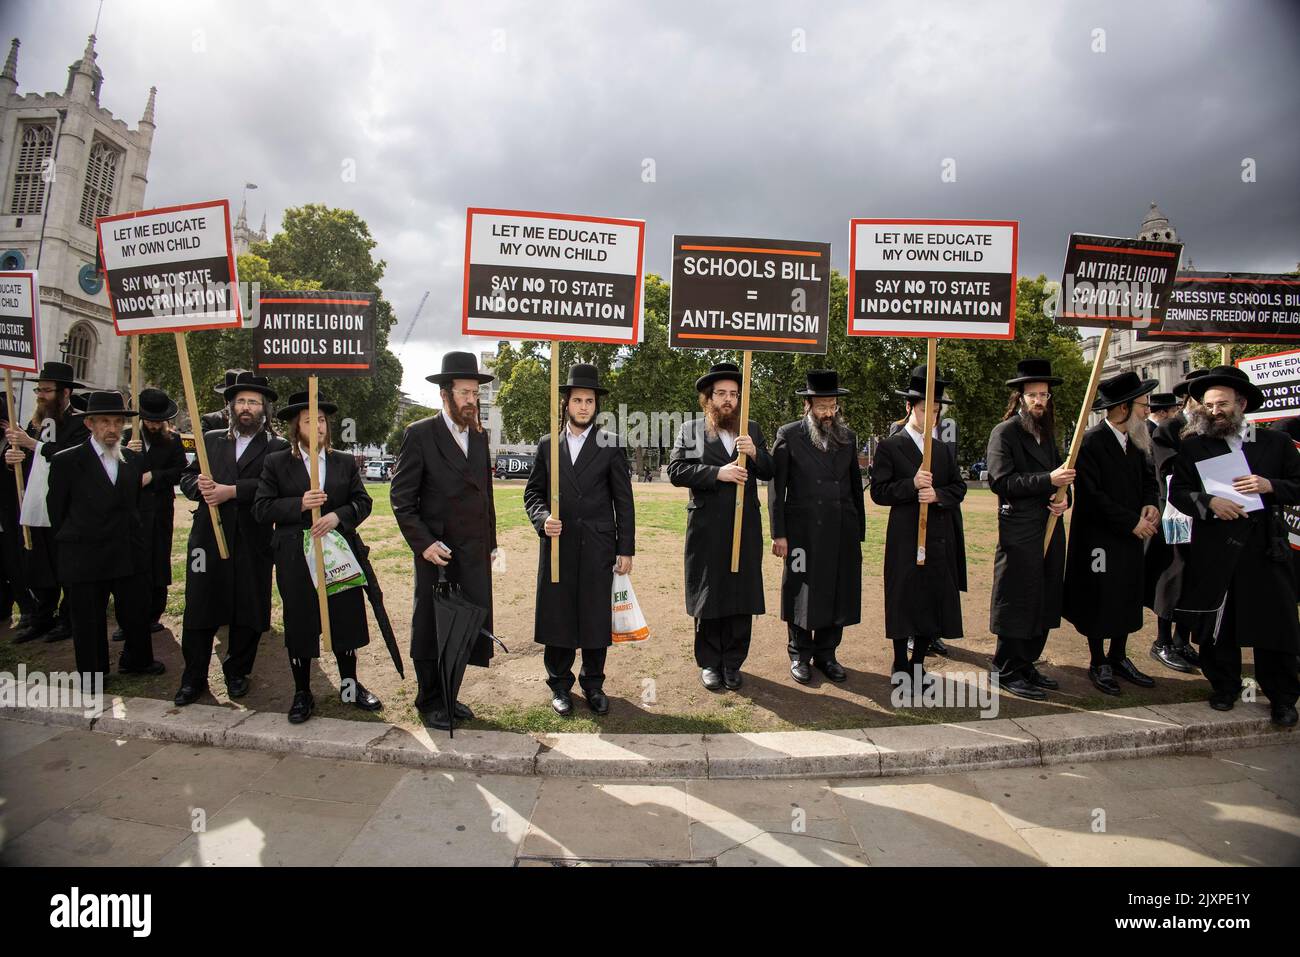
557	107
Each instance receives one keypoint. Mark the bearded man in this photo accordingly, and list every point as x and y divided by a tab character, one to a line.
819	521
704	460
1238	590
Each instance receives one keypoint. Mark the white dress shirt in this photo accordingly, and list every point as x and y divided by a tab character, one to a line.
241	443
107	459
306	463
728	441
461	435
1122	436
918	438
575	441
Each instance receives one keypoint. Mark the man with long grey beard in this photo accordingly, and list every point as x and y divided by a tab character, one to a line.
1238	590
819	521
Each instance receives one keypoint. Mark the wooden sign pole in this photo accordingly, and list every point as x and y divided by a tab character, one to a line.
1225	355
737	521
931	406
200	446
1080	427
18	469
555	455
135	373
318	551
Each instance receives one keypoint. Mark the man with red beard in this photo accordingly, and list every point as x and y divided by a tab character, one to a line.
53	428
723	604
442	499
819	521
1238	590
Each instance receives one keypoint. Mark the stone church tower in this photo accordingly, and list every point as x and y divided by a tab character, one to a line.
66	160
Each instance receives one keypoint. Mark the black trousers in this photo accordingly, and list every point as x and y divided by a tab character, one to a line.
1014	655
723	642
1276	671
88	605
196	646
428	695
807	645
46	609
157	603
559	668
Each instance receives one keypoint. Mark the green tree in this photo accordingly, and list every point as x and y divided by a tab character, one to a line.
413	413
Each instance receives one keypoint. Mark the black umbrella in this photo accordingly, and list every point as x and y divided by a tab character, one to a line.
376	597
459	624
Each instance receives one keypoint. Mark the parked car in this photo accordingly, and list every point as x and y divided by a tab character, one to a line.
512	465
379	470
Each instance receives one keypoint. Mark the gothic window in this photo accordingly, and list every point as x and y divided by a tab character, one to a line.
101	176
81	350
34	150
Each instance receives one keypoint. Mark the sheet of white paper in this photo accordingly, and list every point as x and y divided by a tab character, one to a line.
1217	475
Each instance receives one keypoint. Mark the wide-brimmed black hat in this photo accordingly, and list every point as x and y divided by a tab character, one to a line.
718	372
231	376
59	373
78	402
459	365
821	384
584	376
1122	388
915	390
105	403
1034	370
156	406
1180	390
249	382
1228	377
298	401
1163	400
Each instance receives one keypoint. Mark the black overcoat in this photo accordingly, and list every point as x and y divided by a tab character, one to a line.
166	460
1104	560
236	591
817	504
1163	576
54	437
599	524
96	523
1249	555
1027	584
712	590
920	600
441	495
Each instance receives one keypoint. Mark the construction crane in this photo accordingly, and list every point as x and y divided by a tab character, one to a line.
411	328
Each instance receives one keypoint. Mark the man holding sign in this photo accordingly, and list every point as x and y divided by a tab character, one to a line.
704	459
1238	590
819	520
234	591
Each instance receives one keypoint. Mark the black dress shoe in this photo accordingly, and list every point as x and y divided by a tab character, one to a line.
1284	715
1040	680
461	712
1021	687
800	672
58	633
437	720
31	633
153	668
831	669
238	687
711	678
1104	679
731	677
1128	671
937	647
365	700
1190	655
1222	702
303	705
119	635
1171	658
562	703
188	694
156	627
597	701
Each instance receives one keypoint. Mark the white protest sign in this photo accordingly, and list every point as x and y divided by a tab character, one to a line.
1278	377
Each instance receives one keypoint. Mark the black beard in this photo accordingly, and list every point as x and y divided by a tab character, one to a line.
161	437
716	421
252	429
1223	425
827	435
1039	426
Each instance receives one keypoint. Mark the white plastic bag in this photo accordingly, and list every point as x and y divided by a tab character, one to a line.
1176	526
628	622
35	513
342	570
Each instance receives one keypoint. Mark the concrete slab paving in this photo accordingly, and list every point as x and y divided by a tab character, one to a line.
324	779
1146	842
1063	795
736	842
18	736
319	737
73	838
791	754
1276	767
1238	822
952	748
609	819
771	800
498	752
623	755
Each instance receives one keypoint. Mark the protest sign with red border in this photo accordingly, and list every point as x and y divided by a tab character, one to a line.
20	321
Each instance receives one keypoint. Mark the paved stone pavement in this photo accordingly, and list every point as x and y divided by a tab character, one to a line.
71	797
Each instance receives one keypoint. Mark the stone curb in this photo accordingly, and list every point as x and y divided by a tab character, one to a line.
867	752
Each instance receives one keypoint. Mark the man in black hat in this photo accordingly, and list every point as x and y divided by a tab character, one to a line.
1164	405
235	592
164	461
442	499
703	460
922	602
819	520
220	419
94	504
596	531
1114	515
53	429
1165	562
1238	590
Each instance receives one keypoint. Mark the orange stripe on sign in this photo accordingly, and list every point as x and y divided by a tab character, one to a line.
701	335
1119	249
314	365
746	249
327	302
